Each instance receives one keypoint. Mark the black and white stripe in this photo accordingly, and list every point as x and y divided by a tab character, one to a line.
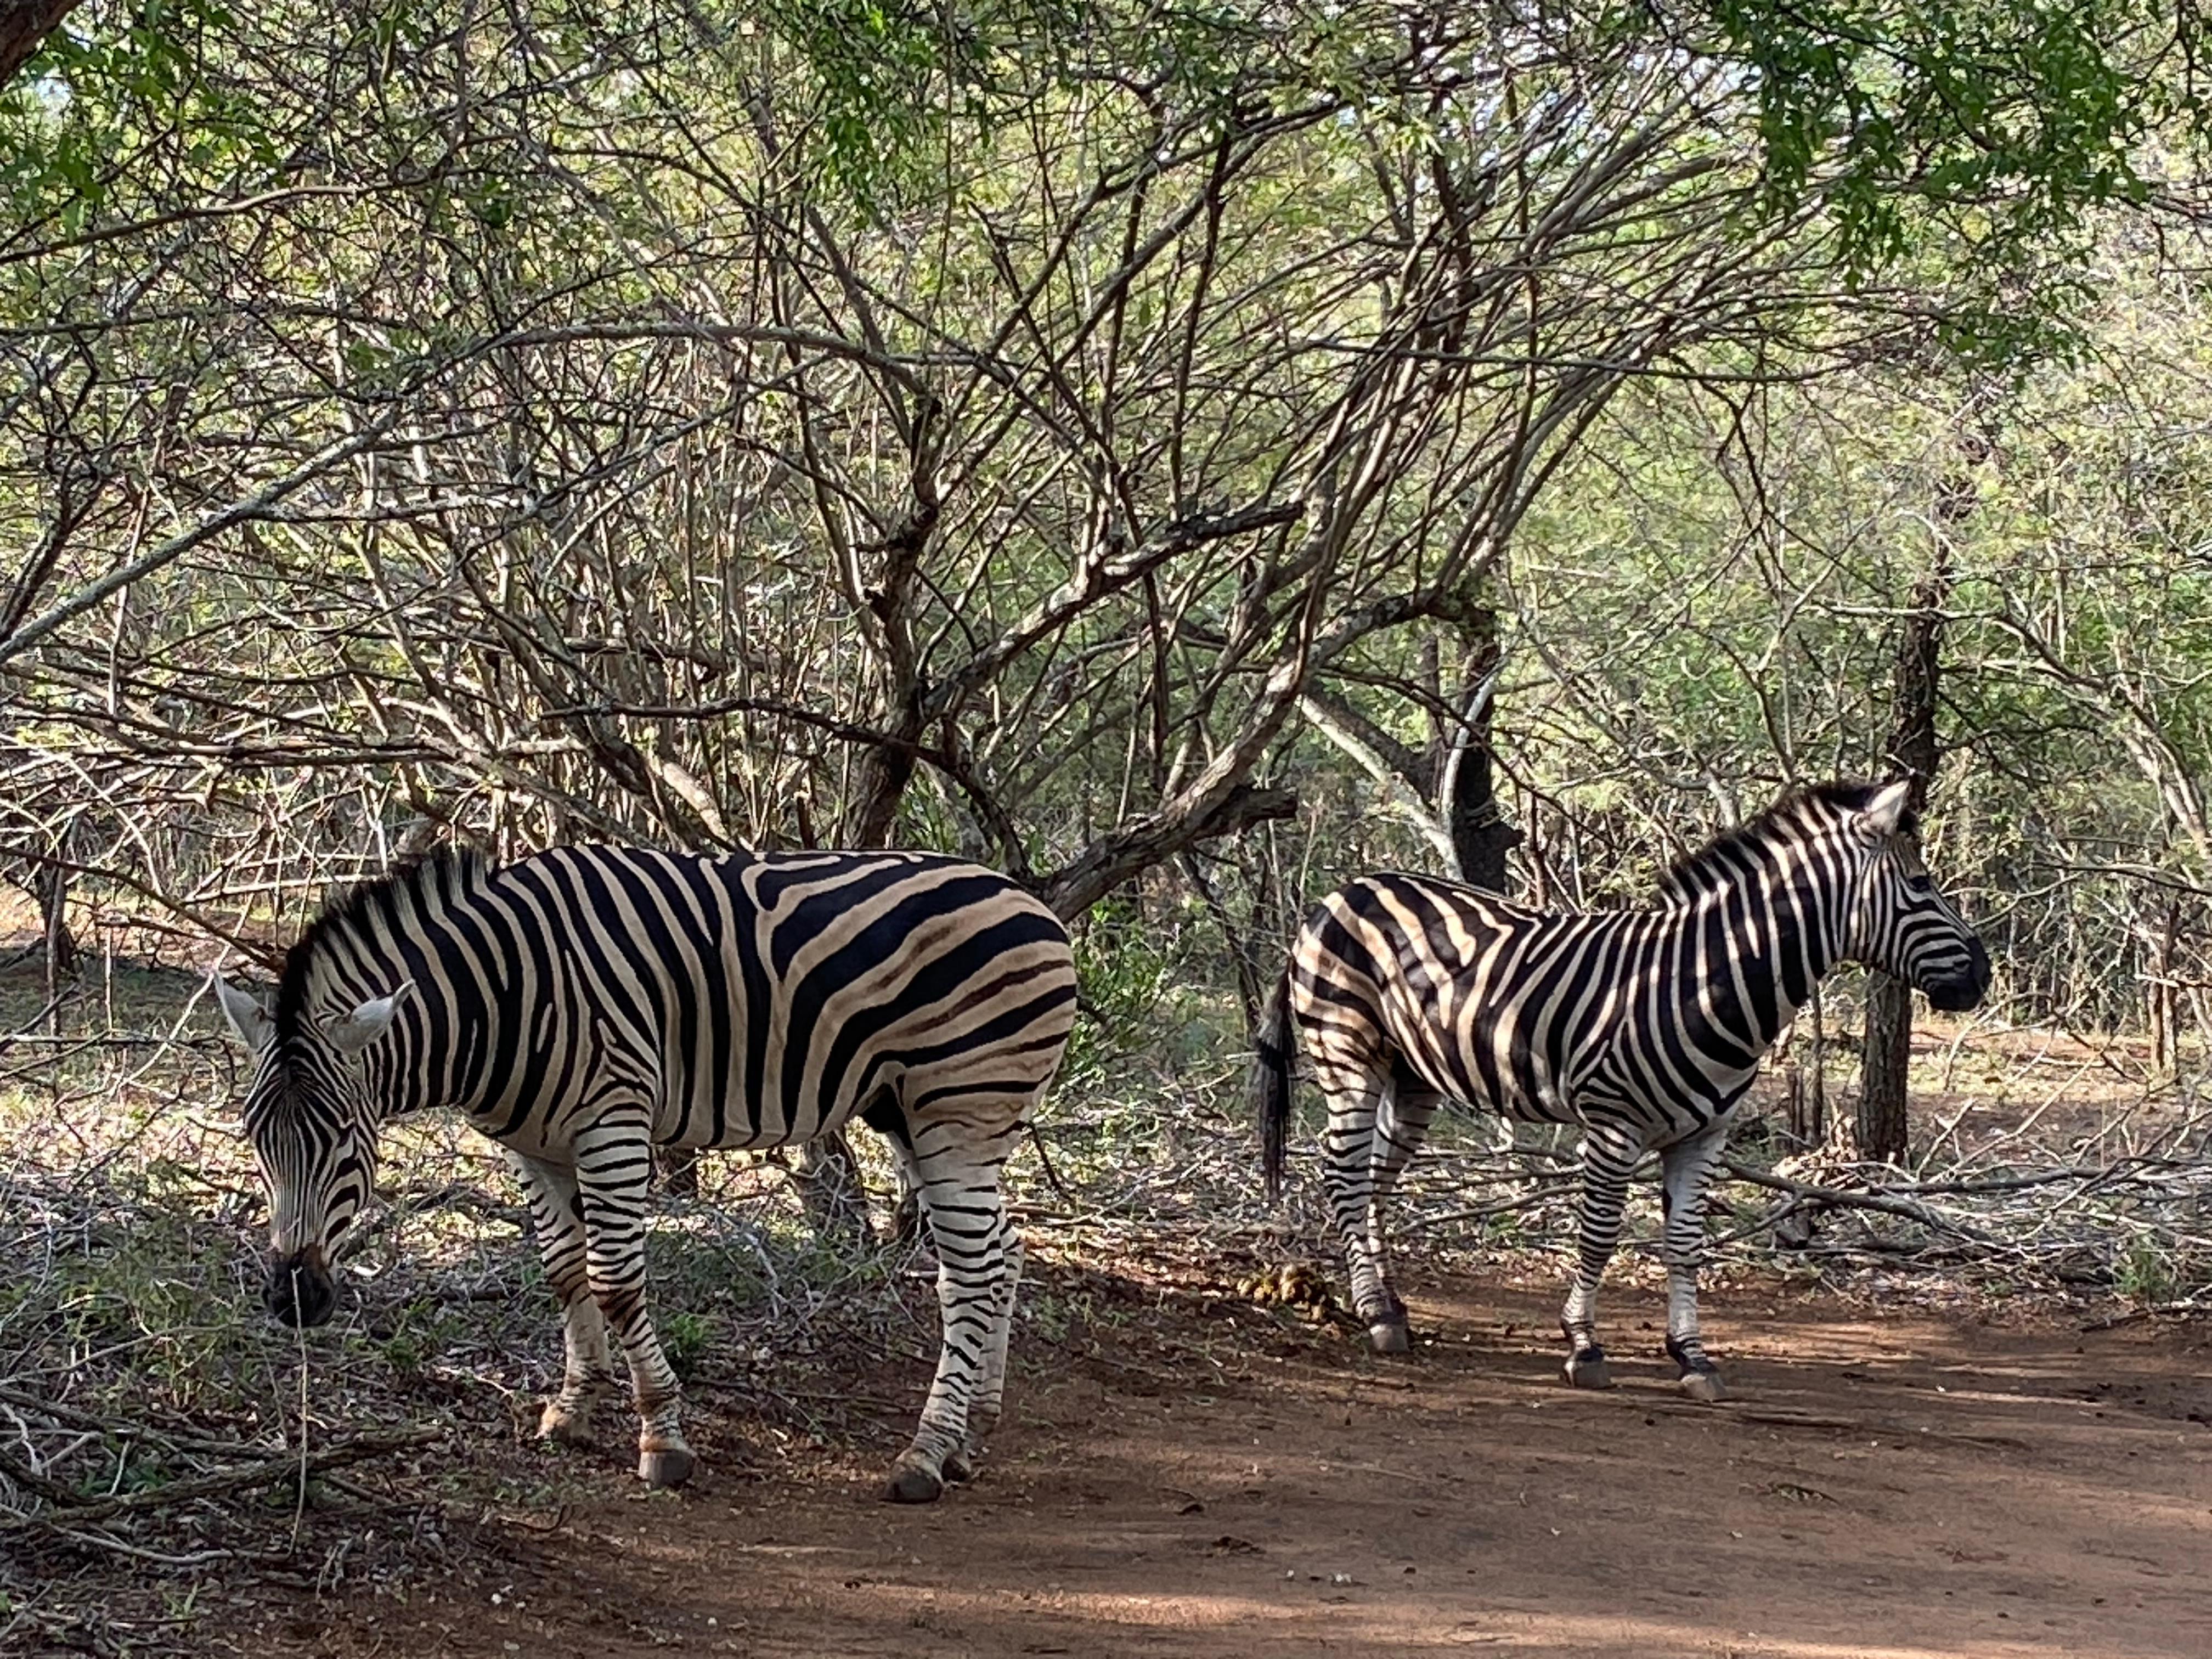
1646	1027
583	1005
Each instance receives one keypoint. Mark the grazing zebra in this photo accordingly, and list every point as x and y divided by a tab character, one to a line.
1644	1026
583	1005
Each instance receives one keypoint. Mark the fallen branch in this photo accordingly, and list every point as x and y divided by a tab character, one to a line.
1547	1194
1843	1199
267	1471
31	1480
2180	1310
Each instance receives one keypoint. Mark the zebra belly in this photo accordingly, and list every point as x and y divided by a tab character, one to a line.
1660	1123
1523	1096
1488	1063
1520	1082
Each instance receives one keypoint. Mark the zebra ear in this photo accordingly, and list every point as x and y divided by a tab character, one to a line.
248	1015
1885	813
351	1033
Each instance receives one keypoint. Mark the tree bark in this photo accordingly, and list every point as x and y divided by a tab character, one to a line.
24	27
2160	993
1448	792
1804	1076
1480	837
1251	989
1880	1128
887	768
831	1189
1142	842
59	951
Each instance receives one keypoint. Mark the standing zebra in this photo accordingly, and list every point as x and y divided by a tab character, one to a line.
1644	1026
586	1004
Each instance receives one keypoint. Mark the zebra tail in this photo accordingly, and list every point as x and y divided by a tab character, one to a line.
1271	1082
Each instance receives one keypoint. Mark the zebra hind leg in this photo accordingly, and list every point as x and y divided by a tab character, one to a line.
1364	1148
1400	1126
1686	1169
587	1376
1608	1158
976	1273
984	1411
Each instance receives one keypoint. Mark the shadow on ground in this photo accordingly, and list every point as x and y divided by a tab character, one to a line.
1170	1485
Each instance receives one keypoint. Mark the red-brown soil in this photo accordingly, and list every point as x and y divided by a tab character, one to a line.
1188	1482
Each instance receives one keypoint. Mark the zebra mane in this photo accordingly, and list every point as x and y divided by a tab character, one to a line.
431	881
1791	818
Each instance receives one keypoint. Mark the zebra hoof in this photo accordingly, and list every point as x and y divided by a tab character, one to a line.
1588	1369
669	1466
563	1428
959	1468
1705	1386
1389	1336
911	1483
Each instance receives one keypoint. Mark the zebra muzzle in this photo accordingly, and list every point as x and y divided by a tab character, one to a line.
1954	993
299	1291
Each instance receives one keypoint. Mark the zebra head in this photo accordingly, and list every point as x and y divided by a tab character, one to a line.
1898	922
313	1122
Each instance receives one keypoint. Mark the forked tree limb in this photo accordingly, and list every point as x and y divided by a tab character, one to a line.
1842	1199
1154	838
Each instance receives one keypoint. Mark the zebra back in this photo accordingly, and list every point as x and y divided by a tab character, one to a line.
750	1000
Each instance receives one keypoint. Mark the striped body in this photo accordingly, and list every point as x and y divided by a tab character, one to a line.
1545	1018
585	1004
1645	1027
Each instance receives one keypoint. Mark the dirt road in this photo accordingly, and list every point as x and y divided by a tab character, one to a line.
1168	1485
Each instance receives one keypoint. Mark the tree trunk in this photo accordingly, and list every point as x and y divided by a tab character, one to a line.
1805	1077
2160	993
1449	793
829	1170
887	768
1467	785
51	882
1480	836
1879	1131
1251	978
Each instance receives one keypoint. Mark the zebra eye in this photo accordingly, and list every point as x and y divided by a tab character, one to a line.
1920	883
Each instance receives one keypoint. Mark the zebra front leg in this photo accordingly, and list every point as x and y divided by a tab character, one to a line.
589	1370
1686	1169
612	1171
967	1224
1608	1158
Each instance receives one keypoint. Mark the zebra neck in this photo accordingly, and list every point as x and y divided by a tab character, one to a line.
397	1070
1762	944
406	1065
